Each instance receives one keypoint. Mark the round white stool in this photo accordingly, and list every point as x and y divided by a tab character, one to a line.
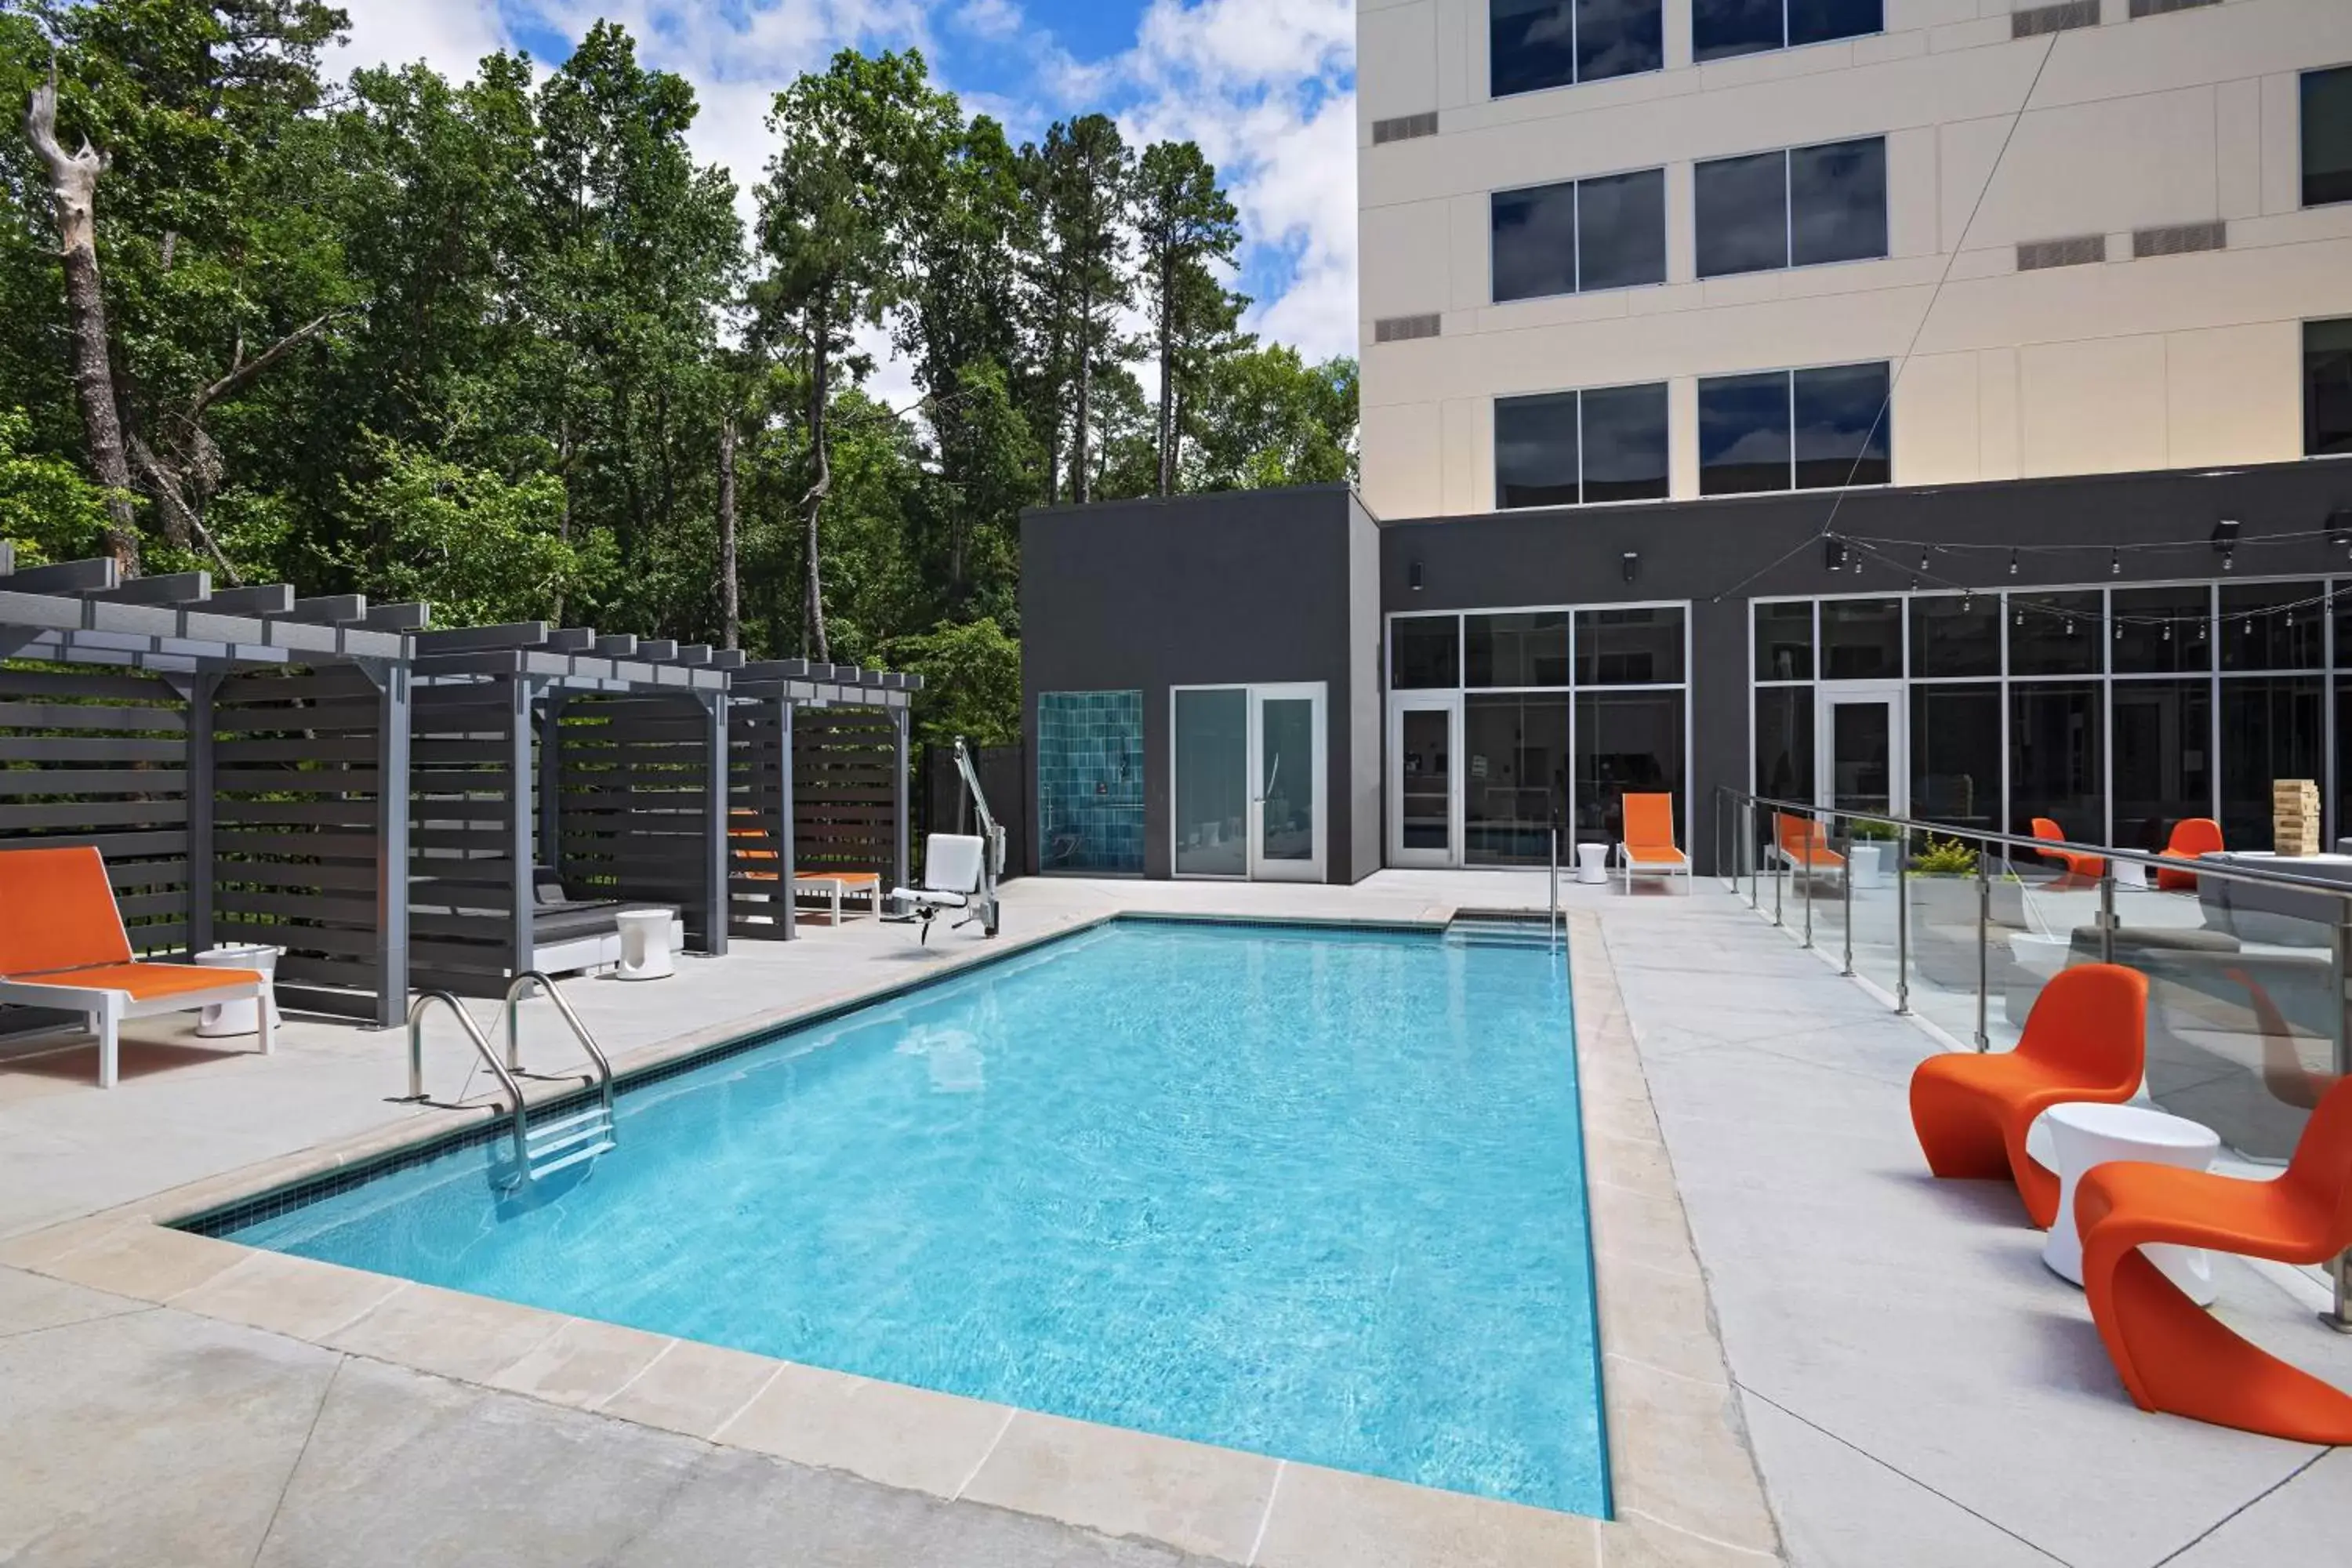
644	944
226	1018
2082	1135
1593	863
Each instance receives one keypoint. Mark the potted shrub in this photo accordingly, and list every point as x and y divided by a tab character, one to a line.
1943	892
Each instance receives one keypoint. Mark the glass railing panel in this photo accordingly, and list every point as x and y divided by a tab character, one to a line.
1872	861
1945	966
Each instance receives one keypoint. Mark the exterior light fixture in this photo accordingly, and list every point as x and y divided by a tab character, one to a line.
2114	562
2225	541
2339	531
1834	554
1413	576
1631	564
2012	563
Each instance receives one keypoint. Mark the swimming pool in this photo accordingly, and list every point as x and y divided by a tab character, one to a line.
1312	1192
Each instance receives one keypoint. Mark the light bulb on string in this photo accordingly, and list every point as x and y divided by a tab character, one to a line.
1922	558
2070	626
2168	631
2114	562
2012	563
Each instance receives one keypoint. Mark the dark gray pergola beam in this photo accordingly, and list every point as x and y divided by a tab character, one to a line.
267	599
473	640
658	651
692	654
173	588
621	645
66	577
573	639
330	610
8	558
398	619
727	658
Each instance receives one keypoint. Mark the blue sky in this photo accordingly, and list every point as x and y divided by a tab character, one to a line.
1266	87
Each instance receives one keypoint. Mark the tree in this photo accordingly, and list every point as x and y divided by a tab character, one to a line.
48	511
1083	180
73	186
972	683
1270	420
1187	228
832	222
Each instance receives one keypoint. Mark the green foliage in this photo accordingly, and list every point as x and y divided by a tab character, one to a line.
971	682
48	509
1872	830
482	549
1272	420
1945	858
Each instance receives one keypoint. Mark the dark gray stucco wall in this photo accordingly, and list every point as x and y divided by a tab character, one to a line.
1249	586
1721	553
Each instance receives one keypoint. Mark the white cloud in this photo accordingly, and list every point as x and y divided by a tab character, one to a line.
996	20
451	36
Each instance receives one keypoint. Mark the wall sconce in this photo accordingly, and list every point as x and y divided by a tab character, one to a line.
2225	541
1834	555
1631	563
1413	576
2339	531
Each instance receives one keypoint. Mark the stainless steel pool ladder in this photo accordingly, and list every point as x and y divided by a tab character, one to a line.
552	1146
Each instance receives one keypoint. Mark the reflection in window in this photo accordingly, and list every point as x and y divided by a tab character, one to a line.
1956	754
2270	730
1861	639
1536	44
2327	136
2326	387
1952	635
1515	783
1808	429
1743	434
2054	757
1629	647
2055	633
1534	241
1211	783
1626	741
1724	27
1604	233
1803	207
2163	740
1842	426
1784	743
1525	649
2162	631
1424	652
2279	627
1784	641
1562	447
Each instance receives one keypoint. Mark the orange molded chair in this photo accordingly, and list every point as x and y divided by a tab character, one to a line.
2191	836
2175	1356
2089	867
1648	848
62	945
1804	845
2085	1040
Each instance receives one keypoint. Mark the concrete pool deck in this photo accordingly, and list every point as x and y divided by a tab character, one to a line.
1914	1390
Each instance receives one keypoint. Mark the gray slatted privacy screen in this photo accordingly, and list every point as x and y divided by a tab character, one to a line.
844	816
759	818
299	762
101	758
469	817
633	817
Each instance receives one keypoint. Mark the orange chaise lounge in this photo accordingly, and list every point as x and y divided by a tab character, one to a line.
1648	848
2174	1355
2086	1039
62	945
1804	845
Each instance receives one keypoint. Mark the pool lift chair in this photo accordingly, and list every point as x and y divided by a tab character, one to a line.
960	870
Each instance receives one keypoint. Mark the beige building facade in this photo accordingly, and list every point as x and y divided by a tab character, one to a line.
2102	235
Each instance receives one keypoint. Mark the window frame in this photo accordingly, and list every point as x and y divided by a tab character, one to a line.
1576	76
1883	425
1788	209
1785	44
1576	234
1666	396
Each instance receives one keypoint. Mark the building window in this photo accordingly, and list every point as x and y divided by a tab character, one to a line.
1536	44
2326	387
1565	449
1581	235
1807	429
1800	207
2327	136
1720	29
1424	652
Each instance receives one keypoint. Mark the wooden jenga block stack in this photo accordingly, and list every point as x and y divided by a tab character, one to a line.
2295	816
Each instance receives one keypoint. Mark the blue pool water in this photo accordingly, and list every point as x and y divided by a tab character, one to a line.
1312	1194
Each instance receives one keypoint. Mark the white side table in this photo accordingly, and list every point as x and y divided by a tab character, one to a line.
1593	863
2082	1135
225	1018
644	944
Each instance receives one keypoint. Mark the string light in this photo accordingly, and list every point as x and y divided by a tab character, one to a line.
1923	559
2012	563
2114	562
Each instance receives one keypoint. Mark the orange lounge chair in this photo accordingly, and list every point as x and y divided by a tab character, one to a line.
1804	845
2173	1355
2088	868
62	945
2086	1039
1648	847
2191	836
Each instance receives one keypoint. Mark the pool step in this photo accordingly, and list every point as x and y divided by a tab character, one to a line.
567	1140
1502	933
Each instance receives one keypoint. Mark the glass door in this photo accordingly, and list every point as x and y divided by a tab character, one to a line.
1424	739
1861	754
1286	772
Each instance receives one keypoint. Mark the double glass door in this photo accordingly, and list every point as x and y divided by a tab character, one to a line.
1250	782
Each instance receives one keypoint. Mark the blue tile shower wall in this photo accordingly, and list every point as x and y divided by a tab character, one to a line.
1090	780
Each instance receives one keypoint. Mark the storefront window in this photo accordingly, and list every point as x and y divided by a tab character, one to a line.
1959	635
2054	759
2270	730
1954	754
2272	625
2163	741
1629	647
1784	743
2163	631
1515	776
1529	650
1784	641
1861	639
2056	634
1626	741
1424	652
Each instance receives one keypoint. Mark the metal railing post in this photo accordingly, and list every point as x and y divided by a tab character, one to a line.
2339	1317
1778	879
1754	855
1812	828
1984	942
2108	916
1902	922
1551	917
1845	897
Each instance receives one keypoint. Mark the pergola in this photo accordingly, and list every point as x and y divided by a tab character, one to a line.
238	756
817	783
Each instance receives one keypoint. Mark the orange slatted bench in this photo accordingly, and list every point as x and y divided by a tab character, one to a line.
62	945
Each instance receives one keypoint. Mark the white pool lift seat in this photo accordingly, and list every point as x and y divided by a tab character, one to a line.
953	863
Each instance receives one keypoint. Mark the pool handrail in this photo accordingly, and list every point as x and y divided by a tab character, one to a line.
519	1116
